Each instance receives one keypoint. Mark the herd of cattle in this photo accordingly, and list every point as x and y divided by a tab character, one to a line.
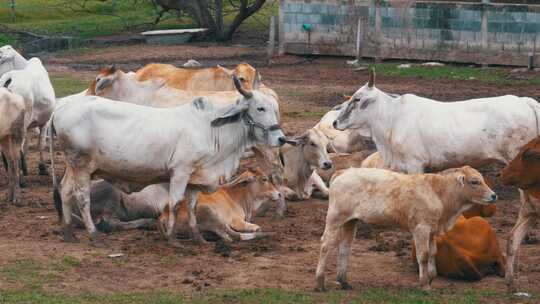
162	147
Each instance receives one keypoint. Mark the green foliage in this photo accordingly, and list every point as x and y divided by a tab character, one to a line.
66	85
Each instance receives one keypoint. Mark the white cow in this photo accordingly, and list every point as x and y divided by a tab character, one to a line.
10	59
413	133
346	141
34	85
12	133
193	147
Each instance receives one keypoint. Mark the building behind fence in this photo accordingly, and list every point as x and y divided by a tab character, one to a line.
486	33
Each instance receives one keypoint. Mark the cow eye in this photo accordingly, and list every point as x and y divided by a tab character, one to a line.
475	182
261	109
264	179
312	144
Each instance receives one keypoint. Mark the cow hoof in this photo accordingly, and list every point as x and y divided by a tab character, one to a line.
345	286
22	184
426	288
43	169
70	238
319	289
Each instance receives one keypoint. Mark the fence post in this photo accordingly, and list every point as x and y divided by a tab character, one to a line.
281	29
13	12
359	36
272	39
485	32
378	30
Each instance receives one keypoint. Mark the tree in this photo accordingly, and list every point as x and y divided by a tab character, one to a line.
210	13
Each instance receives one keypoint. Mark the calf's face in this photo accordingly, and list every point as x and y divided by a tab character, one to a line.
523	170
474	186
313	144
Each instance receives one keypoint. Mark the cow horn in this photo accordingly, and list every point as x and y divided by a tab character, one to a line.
112	68
240	89
371	82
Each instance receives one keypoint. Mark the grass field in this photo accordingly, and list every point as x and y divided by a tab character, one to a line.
55	17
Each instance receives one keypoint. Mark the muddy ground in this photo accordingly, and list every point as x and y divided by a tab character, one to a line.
308	87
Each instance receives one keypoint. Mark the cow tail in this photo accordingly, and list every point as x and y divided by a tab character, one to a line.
57	198
246	236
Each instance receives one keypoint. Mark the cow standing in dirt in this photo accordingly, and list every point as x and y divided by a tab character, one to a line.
12	134
424	204
523	172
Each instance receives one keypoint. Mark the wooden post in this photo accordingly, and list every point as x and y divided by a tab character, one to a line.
13	11
272	39
281	28
530	62
378	30
485	32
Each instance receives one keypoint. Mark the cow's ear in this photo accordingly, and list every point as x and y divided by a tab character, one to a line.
7	83
232	115
530	154
257	81
461	180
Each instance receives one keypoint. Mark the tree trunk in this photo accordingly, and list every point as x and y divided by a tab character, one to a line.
244	13
218	17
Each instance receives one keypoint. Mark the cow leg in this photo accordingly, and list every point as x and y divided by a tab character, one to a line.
289	194
421	237
68	198
524	223
328	242
82	195
177	190
41	142
316	182
344	250
130	225
24	150
192	217
12	151
4	161
432	262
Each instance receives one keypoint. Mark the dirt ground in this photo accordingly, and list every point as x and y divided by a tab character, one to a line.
308	88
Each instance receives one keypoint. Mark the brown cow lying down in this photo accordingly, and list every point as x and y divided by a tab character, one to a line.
524	172
469	251
113	210
424	204
227	212
199	79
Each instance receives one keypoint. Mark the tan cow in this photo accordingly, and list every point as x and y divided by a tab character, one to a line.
301	156
200	79
12	134
424	204
523	172
228	211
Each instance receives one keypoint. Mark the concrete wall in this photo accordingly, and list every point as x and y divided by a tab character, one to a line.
450	31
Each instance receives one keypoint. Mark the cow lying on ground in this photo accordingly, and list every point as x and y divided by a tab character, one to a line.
33	84
235	204
346	141
12	134
523	172
300	157
470	250
228	211
134	146
413	133
199	79
424	204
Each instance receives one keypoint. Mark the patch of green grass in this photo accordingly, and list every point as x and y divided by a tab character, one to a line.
442	72
266	296
39	297
65	85
25	273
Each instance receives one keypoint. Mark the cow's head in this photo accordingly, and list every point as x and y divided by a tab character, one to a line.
258	111
103	83
474	187
114	84
313	144
7	55
523	170
258	184
247	74
356	112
